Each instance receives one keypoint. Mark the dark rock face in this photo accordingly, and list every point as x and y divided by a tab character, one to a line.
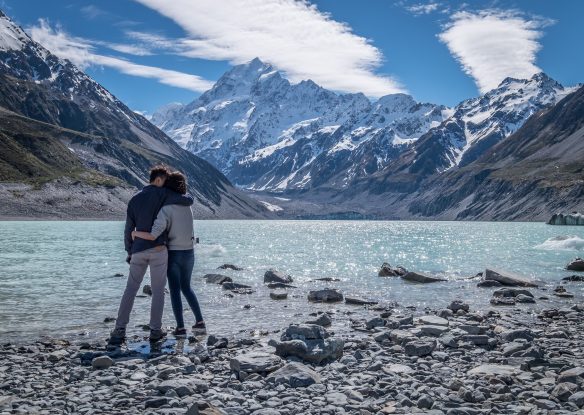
273	276
508	278
326	295
387	270
576	265
420	277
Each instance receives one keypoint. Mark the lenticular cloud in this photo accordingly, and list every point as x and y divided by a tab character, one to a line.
492	45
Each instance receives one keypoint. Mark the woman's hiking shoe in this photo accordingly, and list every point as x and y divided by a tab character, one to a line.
179	332
117	336
156	335
200	326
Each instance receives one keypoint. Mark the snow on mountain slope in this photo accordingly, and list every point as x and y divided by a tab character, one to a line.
479	123
265	133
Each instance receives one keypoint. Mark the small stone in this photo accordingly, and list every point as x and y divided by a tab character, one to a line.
147	290
458	305
327	295
295	374
276	276
425	402
102	362
419	348
278	295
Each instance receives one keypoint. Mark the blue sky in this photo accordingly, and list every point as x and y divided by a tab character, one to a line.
152	52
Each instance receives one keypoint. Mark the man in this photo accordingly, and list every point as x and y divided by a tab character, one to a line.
142	211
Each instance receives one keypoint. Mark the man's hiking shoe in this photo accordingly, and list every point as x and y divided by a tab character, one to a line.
156	335
117	336
200	326
179	332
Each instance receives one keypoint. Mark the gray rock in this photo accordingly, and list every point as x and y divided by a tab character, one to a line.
304	332
458	305
322	320
508	278
374	322
387	270
493	369
578	399
276	276
359	301
576	265
255	362
312	351
57	355
524	299
511	292
397	368
182	387
420	277
157	402
275	285
326	295
228	285
564	390
216	278
433	330
433	320
279	295
147	289
102	362
489	284
502	301
296	375
230	266
573	375
419	348
510	335
425	402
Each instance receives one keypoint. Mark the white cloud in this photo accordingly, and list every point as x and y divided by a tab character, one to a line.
292	35
419	9
493	44
81	52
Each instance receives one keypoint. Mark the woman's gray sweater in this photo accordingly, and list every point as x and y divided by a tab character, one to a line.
178	221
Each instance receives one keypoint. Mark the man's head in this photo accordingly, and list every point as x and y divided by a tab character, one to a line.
177	181
158	175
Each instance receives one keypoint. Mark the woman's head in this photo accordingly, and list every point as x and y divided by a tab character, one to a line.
176	181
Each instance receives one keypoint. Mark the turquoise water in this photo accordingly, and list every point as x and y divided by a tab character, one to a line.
58	277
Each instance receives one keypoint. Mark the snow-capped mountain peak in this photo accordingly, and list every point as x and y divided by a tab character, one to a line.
12	37
267	133
479	123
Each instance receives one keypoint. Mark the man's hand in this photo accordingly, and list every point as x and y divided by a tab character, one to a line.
129	258
133	235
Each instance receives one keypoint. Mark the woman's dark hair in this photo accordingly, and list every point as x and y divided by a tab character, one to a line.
176	181
158	171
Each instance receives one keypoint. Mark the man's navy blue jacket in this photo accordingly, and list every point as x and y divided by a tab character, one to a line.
142	211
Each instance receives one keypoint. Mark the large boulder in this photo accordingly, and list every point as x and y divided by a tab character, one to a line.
255	362
217	278
508	278
310	343
294	374
387	270
276	276
326	295
576	265
420	277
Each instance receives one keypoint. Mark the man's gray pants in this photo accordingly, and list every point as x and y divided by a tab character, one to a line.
157	260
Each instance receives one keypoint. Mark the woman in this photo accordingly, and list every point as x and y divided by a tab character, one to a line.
178	221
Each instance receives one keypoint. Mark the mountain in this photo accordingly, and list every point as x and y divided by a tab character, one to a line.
267	134
479	123
51	108
532	174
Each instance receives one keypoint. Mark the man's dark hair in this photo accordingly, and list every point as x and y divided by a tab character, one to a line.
176	181
158	171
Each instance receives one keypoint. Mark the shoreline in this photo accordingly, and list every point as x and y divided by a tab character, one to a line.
449	361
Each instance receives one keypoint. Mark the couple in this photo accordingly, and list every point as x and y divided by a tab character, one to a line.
159	234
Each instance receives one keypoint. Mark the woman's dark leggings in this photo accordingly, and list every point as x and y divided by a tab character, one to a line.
180	269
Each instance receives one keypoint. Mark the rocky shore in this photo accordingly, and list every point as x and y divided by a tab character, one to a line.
510	358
